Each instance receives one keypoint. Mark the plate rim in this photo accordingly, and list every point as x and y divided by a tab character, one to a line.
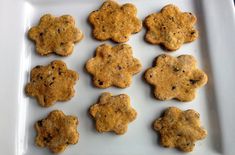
11	79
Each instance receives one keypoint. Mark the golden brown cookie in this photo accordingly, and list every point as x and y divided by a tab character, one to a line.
180	129
171	27
113	66
57	131
55	34
175	77
115	22
51	83
113	113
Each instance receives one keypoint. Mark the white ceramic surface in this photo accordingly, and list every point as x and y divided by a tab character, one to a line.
214	51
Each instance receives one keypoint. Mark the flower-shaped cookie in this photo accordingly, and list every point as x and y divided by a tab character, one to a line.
171	27
57	131
175	77
115	22
51	83
180	129
113	113
55	34
113	66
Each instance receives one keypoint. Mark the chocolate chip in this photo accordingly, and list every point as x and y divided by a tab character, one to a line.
119	67
193	81
100	82
44	100
103	29
192	33
39	123
173	87
48	138
176	69
179	135
172	19
163	26
41	34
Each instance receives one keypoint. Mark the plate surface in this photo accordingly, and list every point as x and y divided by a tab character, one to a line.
213	51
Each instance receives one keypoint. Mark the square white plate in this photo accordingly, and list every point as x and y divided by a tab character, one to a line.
214	51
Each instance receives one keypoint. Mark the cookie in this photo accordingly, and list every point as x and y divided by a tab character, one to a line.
115	22
180	129
175	77
57	131
55	35
113	66
51	83
113	113
170	28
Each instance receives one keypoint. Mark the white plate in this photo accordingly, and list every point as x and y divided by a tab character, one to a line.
214	51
